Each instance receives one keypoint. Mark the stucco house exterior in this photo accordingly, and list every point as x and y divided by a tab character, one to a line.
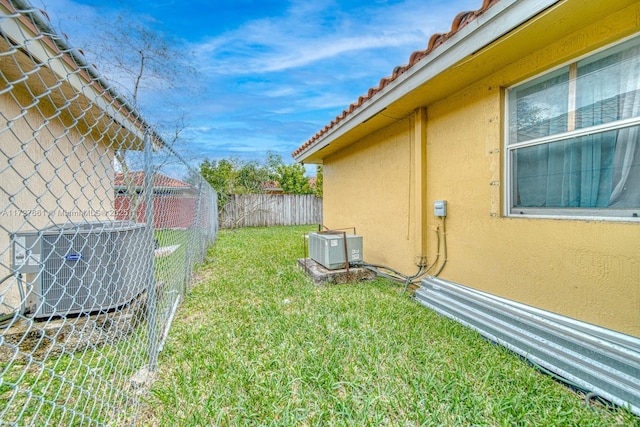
61	125
525	119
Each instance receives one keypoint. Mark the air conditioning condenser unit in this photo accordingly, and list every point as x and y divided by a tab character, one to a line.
328	249
83	268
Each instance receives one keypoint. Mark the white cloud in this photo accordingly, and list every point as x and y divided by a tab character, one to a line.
309	34
270	82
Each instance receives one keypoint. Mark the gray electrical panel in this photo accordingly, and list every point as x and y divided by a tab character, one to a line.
440	208
328	249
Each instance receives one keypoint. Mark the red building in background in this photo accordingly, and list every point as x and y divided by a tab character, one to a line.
174	201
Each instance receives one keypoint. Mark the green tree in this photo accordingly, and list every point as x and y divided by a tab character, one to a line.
271	163
216	173
251	178
234	176
319	181
221	176
292	180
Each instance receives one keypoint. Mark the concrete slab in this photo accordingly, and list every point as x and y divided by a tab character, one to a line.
165	250
323	276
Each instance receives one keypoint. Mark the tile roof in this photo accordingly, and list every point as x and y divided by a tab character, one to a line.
159	180
459	22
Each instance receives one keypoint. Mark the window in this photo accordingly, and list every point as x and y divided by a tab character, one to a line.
573	138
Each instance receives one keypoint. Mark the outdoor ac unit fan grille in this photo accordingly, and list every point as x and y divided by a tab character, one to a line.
83	284
89	267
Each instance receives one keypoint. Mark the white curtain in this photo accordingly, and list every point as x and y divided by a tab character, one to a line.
626	180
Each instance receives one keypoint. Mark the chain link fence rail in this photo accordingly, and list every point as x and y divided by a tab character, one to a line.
101	224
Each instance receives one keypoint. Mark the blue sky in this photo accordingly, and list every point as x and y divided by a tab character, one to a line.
271	73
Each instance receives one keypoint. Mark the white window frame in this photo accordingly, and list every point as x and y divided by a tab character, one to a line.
607	214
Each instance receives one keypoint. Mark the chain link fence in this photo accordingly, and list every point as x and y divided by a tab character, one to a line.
101	225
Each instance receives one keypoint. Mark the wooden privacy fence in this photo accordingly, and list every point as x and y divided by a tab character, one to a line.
260	210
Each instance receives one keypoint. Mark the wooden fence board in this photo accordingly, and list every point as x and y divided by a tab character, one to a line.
263	210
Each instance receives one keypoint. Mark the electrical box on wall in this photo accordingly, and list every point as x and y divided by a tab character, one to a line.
440	208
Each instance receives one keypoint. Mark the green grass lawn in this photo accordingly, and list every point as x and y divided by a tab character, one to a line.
256	343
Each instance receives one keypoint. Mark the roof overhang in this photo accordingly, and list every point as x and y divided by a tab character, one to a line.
498	36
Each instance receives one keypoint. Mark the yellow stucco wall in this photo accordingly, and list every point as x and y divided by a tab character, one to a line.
367	186
588	270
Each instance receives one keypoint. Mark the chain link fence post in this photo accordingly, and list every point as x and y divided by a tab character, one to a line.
152	300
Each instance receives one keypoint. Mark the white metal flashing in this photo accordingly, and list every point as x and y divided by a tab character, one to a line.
601	361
